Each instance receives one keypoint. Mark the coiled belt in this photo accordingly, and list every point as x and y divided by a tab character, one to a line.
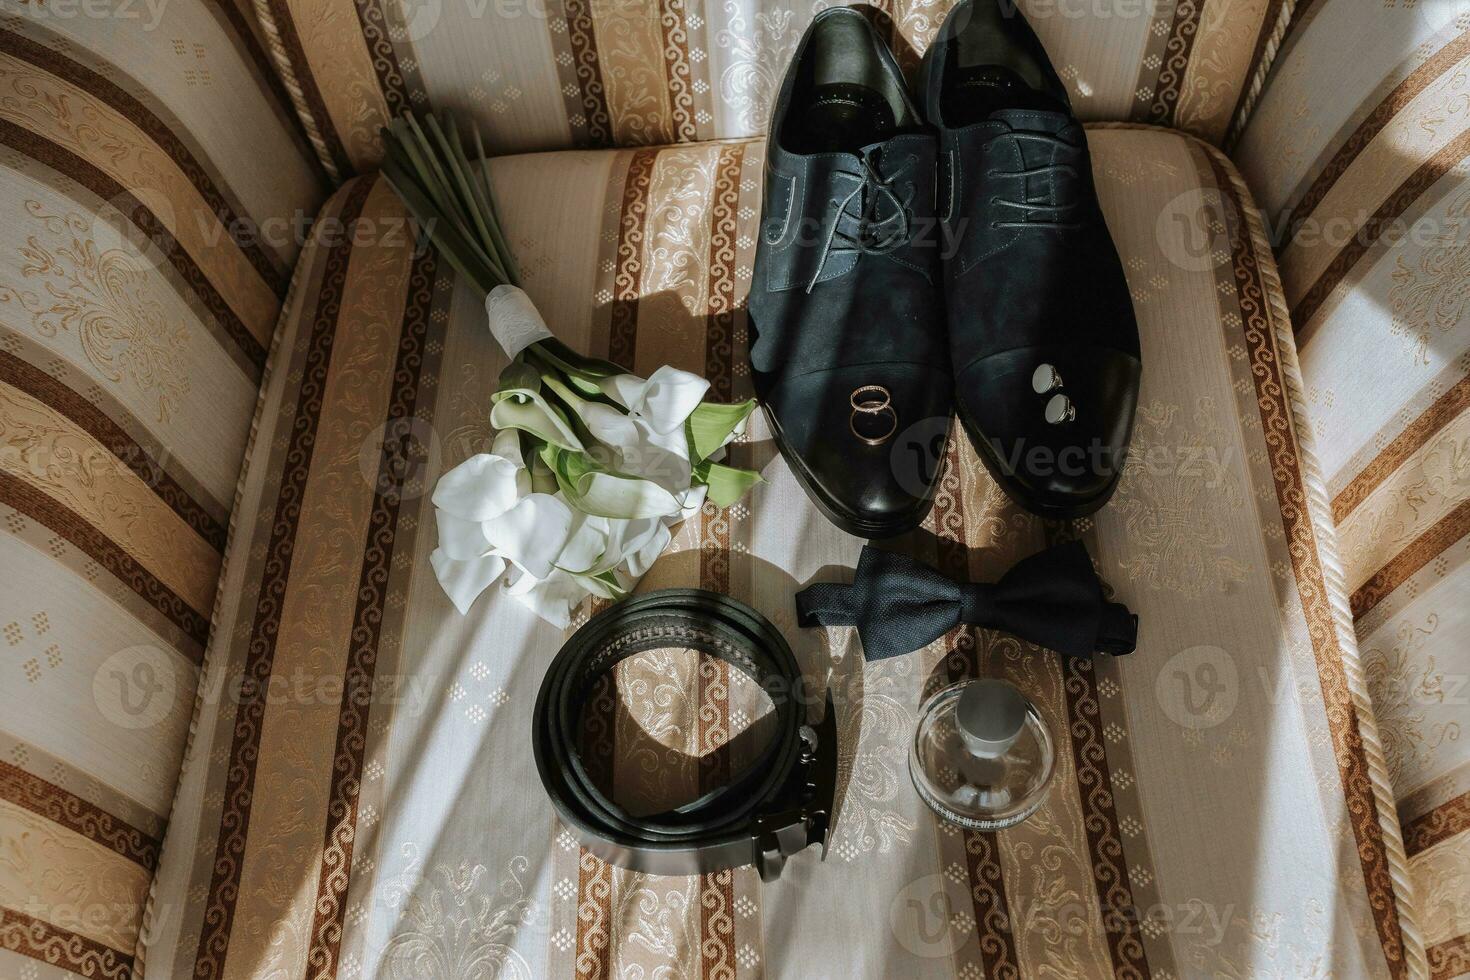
782	802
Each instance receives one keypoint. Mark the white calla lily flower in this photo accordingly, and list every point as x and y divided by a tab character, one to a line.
461	539
522	408
691	502
640	559
639	449
664	399
532	533
552	598
608	425
484	486
587	544
618	498
507	445
625	539
463	581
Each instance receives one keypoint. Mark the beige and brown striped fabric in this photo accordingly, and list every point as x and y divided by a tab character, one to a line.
550	74
360	798
140	284
1365	176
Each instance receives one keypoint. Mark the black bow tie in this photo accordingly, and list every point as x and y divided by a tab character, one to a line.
1052	599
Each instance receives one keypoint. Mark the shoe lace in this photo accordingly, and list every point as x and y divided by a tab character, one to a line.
1051	212
875	234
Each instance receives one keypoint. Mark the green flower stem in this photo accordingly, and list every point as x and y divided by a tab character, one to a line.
461	183
574	405
502	247
441	190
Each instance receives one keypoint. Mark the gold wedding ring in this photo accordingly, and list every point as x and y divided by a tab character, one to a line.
868	401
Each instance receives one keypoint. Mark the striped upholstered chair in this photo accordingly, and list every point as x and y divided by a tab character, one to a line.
243	734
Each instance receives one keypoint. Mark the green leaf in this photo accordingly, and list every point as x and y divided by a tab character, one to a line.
709	425
727	484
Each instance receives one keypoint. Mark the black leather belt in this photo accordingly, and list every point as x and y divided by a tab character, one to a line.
782	802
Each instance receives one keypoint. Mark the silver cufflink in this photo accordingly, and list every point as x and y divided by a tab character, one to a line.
1059	409
1045	378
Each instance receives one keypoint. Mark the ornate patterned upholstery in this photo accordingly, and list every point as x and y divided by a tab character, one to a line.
1224	780
550	74
356	799
1364	176
137	304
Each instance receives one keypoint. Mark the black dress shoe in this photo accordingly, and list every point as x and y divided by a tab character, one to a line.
847	332
1041	325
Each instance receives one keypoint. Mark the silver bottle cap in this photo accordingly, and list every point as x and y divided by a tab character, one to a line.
990	715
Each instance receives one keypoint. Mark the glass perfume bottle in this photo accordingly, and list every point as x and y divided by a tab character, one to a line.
982	756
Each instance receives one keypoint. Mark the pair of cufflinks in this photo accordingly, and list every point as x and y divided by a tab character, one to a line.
1059	408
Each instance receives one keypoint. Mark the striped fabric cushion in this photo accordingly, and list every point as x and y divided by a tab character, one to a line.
368	805
1365	176
140	286
549	74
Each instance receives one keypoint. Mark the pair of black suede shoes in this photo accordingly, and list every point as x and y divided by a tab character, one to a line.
921	259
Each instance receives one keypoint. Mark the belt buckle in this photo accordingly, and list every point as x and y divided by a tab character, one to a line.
814	784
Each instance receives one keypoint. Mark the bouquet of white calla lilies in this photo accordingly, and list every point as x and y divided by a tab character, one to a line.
591	466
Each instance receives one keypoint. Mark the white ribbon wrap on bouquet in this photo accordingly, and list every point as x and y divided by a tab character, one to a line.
514	319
